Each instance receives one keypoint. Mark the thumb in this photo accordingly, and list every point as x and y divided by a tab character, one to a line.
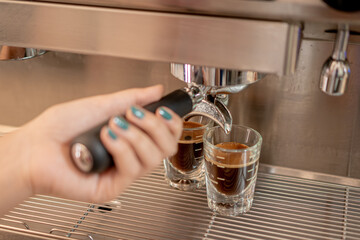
118	103
72	118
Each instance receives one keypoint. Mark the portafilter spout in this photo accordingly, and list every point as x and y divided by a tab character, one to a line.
216	111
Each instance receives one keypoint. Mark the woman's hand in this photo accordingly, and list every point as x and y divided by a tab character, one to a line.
40	151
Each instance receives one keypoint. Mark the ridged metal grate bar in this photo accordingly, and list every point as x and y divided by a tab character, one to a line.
284	208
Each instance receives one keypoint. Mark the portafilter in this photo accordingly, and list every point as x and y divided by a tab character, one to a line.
90	155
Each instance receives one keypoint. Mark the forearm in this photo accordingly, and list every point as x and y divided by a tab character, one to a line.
13	186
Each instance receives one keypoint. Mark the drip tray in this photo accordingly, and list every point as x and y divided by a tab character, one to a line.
284	208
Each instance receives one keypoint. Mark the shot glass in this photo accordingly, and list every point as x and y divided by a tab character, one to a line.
185	170
231	165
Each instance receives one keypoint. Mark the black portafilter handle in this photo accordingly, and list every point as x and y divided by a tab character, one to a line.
90	155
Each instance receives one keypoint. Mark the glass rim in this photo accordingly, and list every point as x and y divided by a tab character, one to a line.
259	142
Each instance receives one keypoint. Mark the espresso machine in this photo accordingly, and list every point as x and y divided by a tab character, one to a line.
206	95
288	69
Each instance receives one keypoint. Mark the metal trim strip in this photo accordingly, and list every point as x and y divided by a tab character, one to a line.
230	43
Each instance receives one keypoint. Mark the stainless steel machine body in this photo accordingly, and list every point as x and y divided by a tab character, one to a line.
105	46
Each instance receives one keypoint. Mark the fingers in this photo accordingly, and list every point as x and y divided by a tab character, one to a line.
162	128
171	120
147	152
151	137
125	159
121	101
137	145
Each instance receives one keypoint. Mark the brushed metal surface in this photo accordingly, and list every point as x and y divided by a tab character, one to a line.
303	174
302	127
288	10
29	87
263	46
354	166
284	208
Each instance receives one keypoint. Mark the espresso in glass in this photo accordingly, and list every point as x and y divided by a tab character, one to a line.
227	175
185	170
190	148
231	163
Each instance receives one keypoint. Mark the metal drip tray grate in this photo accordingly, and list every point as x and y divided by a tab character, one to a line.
284	208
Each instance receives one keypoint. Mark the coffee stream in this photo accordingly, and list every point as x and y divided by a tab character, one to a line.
233	172
190	148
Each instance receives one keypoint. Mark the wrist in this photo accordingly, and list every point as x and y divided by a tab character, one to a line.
14	184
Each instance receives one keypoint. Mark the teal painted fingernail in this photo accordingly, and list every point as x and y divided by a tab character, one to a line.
121	123
165	114
112	134
137	112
